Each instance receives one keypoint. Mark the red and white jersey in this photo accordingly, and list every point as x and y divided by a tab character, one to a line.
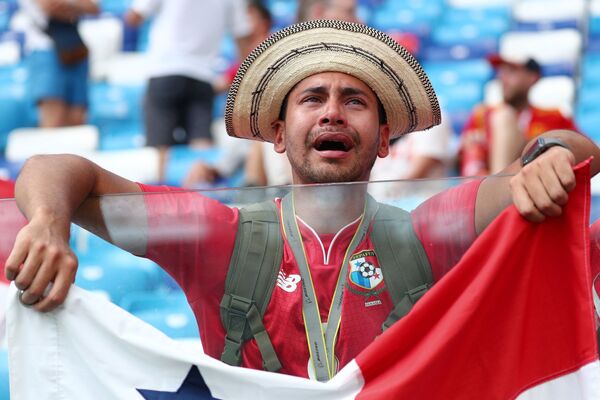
198	258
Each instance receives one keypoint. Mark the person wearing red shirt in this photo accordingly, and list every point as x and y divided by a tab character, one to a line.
329	95
494	136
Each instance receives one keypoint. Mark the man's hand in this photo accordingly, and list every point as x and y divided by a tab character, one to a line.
541	188
41	256
200	173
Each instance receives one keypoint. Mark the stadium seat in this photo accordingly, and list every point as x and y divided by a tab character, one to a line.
455	72
127	68
561	57
138	165
26	142
115	7
116	110
551	92
407	16
153	301
457	52
283	12
590	69
177	322
589	123
181	159
471	25
4	385
14	103
534	15
115	273
11	44
480	3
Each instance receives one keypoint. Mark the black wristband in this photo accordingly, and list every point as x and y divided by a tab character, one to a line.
540	145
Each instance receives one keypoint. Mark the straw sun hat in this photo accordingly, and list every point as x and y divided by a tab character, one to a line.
299	51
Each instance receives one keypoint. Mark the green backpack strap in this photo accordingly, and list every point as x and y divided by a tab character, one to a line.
251	277
401	256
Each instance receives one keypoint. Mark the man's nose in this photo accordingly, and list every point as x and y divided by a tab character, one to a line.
333	114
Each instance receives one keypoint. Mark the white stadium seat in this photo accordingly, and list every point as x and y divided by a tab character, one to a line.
127	68
551	92
548	11
547	47
25	142
138	165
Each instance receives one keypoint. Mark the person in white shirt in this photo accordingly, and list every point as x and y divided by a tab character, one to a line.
185	39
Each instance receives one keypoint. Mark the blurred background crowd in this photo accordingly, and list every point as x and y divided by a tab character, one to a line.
139	87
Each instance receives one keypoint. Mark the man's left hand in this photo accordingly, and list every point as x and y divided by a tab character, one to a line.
541	188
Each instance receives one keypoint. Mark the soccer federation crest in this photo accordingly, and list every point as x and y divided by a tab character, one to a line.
364	270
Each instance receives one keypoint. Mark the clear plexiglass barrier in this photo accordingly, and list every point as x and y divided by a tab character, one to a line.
189	239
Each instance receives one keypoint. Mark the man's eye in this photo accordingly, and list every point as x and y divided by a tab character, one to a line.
356	102
311	99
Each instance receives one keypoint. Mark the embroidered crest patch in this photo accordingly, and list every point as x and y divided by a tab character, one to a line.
364	270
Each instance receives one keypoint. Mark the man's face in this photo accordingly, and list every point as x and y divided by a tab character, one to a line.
516	82
331	131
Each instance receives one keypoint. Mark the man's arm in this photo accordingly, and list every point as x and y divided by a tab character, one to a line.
540	189
52	191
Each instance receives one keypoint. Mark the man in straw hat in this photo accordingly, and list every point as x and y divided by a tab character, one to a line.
330	95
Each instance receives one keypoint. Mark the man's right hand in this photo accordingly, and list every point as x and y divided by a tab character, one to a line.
41	257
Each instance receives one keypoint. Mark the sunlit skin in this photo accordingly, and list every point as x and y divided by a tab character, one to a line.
331	131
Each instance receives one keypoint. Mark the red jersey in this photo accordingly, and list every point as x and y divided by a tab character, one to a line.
192	237
476	135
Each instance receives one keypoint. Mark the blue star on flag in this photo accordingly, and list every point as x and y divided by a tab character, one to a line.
193	387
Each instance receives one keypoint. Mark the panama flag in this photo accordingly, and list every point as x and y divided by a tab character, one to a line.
514	319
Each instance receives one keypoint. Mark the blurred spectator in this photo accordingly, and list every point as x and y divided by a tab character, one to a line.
343	10
417	155
184	42
261	21
494	136
234	153
58	59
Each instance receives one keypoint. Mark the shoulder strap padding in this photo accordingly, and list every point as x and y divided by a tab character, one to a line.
405	266
251	277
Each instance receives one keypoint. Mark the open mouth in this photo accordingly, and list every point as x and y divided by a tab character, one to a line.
333	142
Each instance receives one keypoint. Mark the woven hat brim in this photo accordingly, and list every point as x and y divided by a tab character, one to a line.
302	50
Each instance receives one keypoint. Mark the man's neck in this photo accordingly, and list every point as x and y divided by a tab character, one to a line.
326	208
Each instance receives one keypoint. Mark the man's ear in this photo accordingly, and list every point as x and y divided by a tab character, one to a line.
384	140
279	143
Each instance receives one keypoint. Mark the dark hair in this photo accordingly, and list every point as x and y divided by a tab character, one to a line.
263	11
380	109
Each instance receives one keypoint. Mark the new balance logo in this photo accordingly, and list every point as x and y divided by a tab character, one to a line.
288	283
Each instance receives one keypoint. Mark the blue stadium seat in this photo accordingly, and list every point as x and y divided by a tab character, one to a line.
589	123
594	26
115	273
116	7
14	101
176	321
181	159
452	72
445	52
283	12
153	301
117	112
408	16
591	67
467	33
4	385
